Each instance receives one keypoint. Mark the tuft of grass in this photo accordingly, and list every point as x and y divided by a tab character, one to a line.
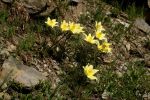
119	32
9	32
41	92
131	9
132	84
5	29
134	12
27	43
3	16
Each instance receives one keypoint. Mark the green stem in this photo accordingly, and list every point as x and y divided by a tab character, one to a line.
57	42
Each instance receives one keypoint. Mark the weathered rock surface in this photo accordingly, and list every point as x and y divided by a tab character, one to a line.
40	7
33	6
142	25
4	96
147	59
7	1
146	96
148	3
75	1
15	71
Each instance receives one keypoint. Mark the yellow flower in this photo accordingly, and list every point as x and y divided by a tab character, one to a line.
89	72
64	26
99	27
89	38
75	28
51	22
79	28
104	47
100	35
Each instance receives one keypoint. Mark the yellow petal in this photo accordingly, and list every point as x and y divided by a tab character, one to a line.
97	42
92	77
75	28
51	23
95	71
89	38
100	35
99	47
99	26
90	67
64	26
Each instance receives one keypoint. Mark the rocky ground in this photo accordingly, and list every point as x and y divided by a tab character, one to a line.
130	41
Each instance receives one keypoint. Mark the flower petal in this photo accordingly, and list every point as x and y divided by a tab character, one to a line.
92	77
95	71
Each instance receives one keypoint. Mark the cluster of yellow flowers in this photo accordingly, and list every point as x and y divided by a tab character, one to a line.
99	38
76	28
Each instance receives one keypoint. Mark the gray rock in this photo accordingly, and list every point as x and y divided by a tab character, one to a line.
38	7
108	58
146	96
7	1
33	6
15	71
142	25
49	8
4	52
74	2
147	59
77	1
106	95
4	96
148	3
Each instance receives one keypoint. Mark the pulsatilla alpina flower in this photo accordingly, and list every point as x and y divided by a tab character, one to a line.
64	26
51	22
90	72
104	47
75	28
89	38
99	27
100	35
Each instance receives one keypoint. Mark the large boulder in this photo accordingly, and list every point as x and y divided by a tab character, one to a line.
38	7
142	25
14	70
33	6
